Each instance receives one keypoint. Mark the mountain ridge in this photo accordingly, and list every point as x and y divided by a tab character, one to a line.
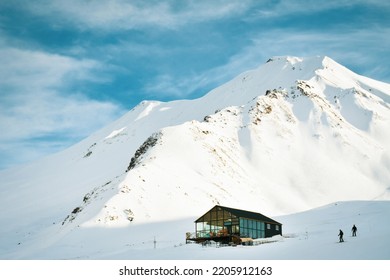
291	135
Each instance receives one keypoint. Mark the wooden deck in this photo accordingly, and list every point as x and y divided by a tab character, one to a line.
221	239
225	239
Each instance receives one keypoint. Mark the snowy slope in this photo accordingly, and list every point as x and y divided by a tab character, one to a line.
294	134
306	235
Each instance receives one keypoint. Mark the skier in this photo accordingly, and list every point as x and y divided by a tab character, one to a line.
354	230
341	233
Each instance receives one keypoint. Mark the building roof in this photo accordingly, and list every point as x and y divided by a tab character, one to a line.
244	214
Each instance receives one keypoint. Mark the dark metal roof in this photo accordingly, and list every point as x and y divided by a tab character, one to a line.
244	214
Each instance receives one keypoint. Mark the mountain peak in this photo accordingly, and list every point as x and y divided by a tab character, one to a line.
312	62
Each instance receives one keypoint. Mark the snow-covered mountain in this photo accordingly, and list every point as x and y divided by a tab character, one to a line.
294	134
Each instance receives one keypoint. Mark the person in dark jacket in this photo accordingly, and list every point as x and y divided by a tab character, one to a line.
354	230
341	233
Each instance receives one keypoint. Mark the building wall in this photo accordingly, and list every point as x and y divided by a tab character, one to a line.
272	229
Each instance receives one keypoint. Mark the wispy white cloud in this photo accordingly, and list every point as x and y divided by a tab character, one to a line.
175	86
35	102
276	42
46	123
122	14
352	48
23	68
287	7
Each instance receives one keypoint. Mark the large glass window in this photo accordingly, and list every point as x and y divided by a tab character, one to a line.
216	223
251	228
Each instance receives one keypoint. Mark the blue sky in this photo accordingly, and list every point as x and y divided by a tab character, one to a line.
67	68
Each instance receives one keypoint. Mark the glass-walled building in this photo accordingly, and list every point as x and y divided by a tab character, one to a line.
221	222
